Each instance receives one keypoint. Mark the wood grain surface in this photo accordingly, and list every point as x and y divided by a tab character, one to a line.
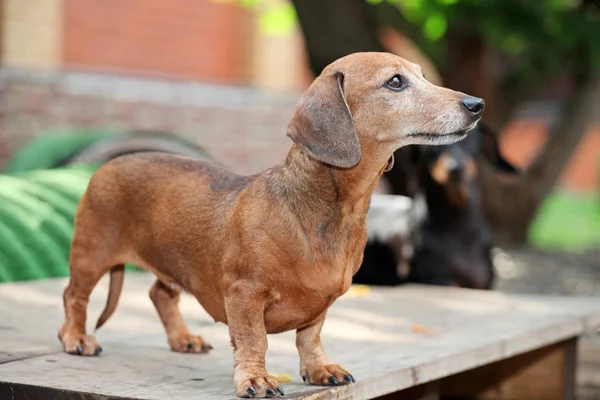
389	338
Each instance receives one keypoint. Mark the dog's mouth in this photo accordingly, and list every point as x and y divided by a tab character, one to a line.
453	136
427	135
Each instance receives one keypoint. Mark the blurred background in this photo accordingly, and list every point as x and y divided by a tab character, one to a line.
82	81
225	75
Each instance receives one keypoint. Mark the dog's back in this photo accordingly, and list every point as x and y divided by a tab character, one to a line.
130	202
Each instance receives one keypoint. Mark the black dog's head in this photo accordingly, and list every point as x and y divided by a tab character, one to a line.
455	243
449	174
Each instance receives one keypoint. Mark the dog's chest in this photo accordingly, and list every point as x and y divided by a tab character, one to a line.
309	294
296	308
318	276
330	268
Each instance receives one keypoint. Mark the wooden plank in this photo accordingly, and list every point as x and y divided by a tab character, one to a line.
588	378
32	392
372	335
427	391
544	374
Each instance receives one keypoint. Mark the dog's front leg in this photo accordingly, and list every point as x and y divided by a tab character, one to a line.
314	366
244	306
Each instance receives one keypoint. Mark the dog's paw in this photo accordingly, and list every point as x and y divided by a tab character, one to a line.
327	375
189	344
80	345
259	386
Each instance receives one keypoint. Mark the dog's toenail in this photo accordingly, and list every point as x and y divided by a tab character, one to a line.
190	346
251	391
270	392
280	390
203	347
333	380
304	378
210	347
79	350
348	378
98	351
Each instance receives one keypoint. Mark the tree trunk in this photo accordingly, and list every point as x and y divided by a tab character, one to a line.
511	207
336	28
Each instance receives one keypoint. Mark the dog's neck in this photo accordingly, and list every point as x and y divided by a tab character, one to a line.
322	195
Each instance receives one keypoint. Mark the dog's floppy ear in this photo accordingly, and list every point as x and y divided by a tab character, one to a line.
322	123
491	151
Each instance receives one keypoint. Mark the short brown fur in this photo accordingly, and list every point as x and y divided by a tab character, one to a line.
266	253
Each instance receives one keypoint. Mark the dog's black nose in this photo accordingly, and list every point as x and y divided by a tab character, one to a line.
456	168
474	106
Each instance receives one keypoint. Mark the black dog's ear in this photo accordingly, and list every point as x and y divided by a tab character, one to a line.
322	123
491	151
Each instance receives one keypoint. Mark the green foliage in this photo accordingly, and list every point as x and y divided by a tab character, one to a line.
276	18
435	26
567	221
539	36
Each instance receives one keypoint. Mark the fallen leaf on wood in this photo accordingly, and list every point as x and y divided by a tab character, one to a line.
281	376
358	291
423	330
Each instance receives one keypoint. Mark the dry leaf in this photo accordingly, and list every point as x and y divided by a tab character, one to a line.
423	330
358	291
281	376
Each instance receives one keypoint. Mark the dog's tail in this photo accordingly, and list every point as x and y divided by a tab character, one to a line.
114	292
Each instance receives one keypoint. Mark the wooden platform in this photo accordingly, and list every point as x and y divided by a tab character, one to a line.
392	339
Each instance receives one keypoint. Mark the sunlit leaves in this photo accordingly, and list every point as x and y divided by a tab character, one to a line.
435	26
513	44
545	32
275	17
548	32
278	20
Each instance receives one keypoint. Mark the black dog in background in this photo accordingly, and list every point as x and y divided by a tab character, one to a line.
453	244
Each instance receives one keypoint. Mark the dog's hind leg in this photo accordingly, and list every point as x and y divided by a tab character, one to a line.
86	271
166	301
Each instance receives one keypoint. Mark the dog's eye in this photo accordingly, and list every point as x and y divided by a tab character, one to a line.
395	83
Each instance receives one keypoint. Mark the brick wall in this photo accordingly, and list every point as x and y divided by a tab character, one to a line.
243	128
187	39
123	64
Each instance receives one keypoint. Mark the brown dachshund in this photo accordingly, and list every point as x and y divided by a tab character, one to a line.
266	253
